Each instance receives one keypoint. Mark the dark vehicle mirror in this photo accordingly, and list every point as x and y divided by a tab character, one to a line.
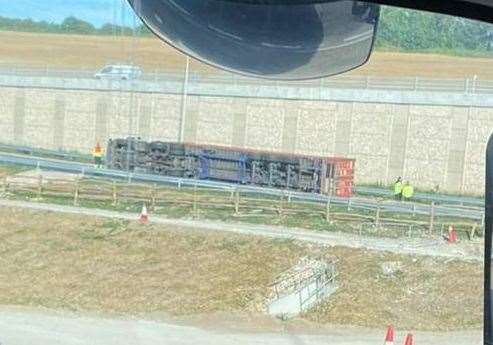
275	41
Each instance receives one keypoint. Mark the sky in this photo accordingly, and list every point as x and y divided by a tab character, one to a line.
97	12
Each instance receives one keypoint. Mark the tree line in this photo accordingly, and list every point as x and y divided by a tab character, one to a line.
409	30
399	29
71	25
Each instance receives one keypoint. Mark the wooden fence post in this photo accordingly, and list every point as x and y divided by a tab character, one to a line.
40	186
114	193
5	185
432	218
281	204
76	191
153	196
377	214
473	231
327	209
195	210
237	201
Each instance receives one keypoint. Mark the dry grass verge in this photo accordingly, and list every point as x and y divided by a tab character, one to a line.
426	294
89	264
7	170
78	263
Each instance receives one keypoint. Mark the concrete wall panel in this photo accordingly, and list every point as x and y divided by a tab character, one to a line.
265	121
429	145
316	132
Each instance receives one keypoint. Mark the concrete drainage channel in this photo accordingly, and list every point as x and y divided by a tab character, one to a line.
300	288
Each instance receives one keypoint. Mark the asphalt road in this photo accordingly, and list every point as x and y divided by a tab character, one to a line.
22	326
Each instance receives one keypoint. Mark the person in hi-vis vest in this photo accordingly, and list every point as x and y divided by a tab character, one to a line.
407	191
398	189
97	154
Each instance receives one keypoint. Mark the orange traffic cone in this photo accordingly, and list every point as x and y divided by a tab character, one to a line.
144	216
409	339
452	235
389	337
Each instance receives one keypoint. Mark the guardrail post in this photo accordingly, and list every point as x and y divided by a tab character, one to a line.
432	218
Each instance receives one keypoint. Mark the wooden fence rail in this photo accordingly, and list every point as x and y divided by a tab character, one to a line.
237	204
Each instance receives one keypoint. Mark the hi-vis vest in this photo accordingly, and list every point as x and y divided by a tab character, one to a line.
97	153
397	188
407	191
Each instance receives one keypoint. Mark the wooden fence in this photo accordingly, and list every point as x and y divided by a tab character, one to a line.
233	204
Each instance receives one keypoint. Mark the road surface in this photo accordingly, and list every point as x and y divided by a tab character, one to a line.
22	326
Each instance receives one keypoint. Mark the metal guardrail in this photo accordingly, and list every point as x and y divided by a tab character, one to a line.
465	86
437	198
59	154
475	214
359	190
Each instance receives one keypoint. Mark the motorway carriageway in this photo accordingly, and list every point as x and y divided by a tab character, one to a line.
470	213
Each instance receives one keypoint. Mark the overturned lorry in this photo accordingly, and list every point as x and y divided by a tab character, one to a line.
325	175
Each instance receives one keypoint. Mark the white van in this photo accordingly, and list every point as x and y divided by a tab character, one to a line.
120	72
